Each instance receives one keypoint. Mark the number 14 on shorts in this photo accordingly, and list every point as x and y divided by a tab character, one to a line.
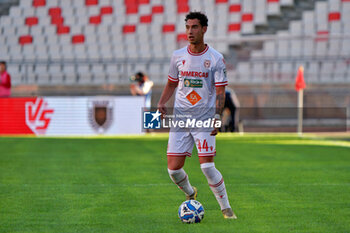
202	146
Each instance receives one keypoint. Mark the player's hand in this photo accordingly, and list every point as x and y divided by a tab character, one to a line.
214	132
162	109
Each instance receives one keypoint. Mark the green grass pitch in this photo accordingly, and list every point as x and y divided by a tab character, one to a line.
276	183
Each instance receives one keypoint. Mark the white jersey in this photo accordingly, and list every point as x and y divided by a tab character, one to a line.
198	74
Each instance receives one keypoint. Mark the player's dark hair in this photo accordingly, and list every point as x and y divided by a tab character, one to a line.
203	19
140	77
3	63
139	74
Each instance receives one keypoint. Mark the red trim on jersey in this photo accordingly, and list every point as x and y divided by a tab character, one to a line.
218	184
219	84
197	54
171	79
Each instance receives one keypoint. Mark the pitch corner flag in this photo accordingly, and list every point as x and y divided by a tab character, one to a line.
299	86
299	80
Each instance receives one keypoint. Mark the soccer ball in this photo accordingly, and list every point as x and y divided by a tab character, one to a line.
191	211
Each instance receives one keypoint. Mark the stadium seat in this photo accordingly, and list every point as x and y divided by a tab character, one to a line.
41	52
283	44
287	3
30	21
56	74
25	39
273	7
36	3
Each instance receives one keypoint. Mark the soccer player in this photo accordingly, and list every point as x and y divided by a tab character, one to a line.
199	74
5	81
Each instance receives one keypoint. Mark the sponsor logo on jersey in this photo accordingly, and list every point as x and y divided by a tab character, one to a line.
193	97
38	115
100	115
196	83
195	74
151	120
207	64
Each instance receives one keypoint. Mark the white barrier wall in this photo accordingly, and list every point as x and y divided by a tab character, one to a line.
56	116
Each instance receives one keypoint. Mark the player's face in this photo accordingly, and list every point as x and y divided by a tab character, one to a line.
195	31
2	68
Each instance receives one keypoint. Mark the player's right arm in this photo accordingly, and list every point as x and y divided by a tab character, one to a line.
170	86
167	93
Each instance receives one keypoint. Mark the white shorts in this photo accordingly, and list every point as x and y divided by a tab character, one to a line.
181	143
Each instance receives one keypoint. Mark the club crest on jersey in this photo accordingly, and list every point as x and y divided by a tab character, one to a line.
183	62
207	64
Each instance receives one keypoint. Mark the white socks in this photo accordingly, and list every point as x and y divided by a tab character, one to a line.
179	177
216	183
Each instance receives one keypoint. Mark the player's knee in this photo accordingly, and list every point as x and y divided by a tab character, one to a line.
175	163
173	172
207	167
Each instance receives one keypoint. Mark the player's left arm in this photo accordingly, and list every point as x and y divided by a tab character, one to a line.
220	103
220	80
220	99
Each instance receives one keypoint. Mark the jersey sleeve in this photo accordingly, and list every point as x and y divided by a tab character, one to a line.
220	73
173	71
7	82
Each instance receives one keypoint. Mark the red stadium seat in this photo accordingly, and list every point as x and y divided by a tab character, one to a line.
235	8
95	19
221	1
132	9
30	21
129	29
146	19
77	39
39	3
131	2
168	28
26	39
247	17
57	20
143	1
334	16
157	9
55	11
183	8
91	2
234	27
106	10
181	37
63	29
